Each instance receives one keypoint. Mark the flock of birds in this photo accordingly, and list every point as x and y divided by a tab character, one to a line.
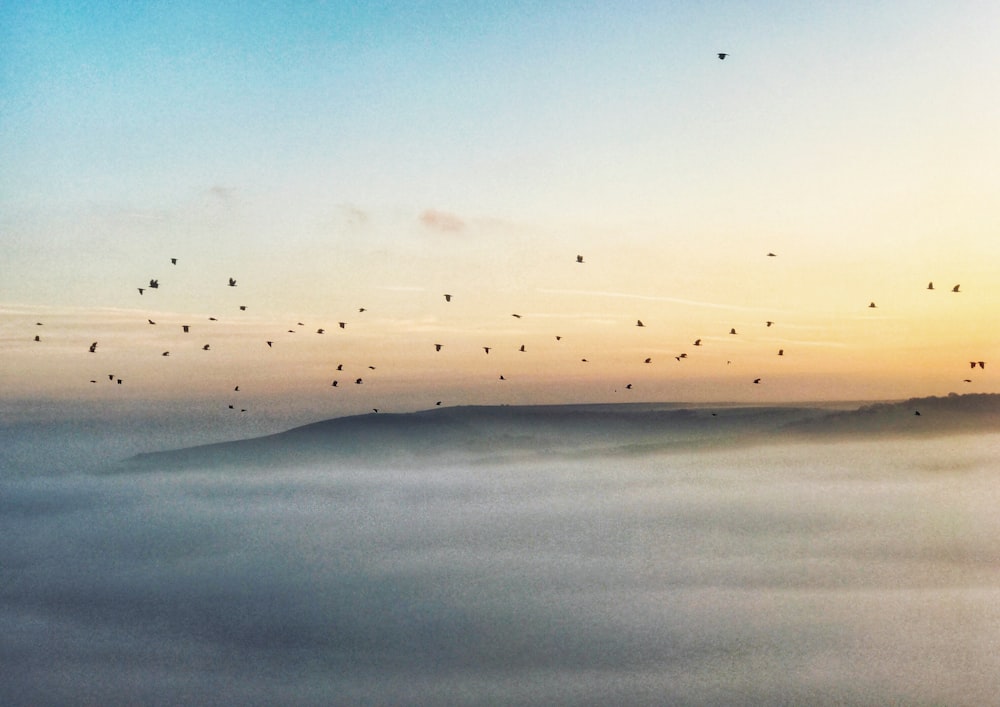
154	284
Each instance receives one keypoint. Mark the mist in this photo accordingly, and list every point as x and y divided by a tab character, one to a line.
855	571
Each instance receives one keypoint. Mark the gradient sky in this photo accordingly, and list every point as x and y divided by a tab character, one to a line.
333	156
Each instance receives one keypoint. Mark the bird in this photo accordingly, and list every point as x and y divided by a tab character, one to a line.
722	55
362	309
111	376
579	258
638	322
437	347
236	389
955	288
756	380
447	298
522	349
154	283
518	316
648	360
358	382
769	323
173	261
558	338
438	402
583	360
982	364
966	380
165	353
243	308
486	349
141	290
772	255
628	387
232	282
871	305
93	347
213	319
502	378
340	366
930	285
697	342
151	321
205	347
37	337
342	325
186	327
270	344
320	331
781	352
733	330
334	384
916	412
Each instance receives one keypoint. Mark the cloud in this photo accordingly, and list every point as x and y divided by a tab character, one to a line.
441	221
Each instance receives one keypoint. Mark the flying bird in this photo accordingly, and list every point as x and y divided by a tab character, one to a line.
186	327
270	344
521	349
871	305
648	360
205	347
955	288
342	325
173	261
141	290
638	322
579	258
437	347
930	285
628	387
756	380
232	282
358	382
769	323
772	255
697	342
93	347
151	321
486	349
447	298
243	308
165	353
37	337
334	384
320	331
733	330
154	283
518	316
722	55
781	352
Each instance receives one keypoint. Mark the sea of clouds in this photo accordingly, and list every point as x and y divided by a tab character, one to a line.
839	572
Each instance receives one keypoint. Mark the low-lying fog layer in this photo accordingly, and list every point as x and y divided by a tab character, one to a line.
862	572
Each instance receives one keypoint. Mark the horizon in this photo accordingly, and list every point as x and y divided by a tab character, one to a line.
339	158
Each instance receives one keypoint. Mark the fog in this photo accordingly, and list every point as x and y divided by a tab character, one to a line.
855	571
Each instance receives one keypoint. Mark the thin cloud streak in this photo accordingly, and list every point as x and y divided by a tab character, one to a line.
655	298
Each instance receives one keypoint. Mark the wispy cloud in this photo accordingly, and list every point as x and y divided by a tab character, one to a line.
654	298
441	221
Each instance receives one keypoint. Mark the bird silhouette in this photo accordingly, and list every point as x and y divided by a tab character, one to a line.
518	316
982	364
342	325
243	308
437	347
722	55
37	337
486	349
173	261
628	387
769	323
151	321
236	389
732	331
93	347
358	382
772	255
579	258
781	352
186	327
916	412
521	349
447	298
165	353
205	347
955	288
930	285
154	283
502	378
340	366
638	322
270	344
334	384
141	290
320	331
232	282
871	305
558	338
648	360
756	380
697	342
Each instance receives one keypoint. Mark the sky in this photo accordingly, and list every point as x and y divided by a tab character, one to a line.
332	157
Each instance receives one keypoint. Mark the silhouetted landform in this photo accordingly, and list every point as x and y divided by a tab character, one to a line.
495	433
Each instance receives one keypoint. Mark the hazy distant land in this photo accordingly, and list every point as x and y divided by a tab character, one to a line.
493	433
